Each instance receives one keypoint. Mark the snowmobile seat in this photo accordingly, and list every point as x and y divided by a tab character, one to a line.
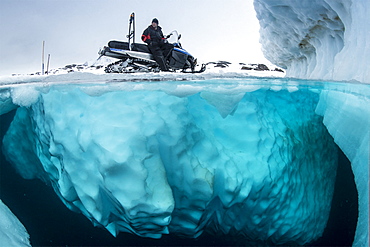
118	45
140	47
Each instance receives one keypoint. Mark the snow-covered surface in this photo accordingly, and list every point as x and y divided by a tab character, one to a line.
213	67
12	232
328	40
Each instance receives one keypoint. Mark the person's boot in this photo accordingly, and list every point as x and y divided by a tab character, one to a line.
162	64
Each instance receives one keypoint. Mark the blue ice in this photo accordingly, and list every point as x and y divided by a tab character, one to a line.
245	157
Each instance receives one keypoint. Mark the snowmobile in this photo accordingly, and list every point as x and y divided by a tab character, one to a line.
136	57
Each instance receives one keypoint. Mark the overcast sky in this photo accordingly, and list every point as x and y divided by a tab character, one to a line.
74	30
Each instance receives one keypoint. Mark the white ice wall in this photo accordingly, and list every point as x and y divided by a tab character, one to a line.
317	39
347	117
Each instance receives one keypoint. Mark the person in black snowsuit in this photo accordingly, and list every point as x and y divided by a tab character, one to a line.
157	44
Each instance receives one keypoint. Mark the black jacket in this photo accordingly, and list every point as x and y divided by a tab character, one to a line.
153	36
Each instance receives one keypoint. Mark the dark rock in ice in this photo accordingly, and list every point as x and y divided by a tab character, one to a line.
261	67
279	70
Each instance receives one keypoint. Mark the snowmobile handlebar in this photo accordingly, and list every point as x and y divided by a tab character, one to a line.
172	33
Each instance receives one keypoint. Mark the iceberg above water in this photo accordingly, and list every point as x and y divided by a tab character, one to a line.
324	40
328	40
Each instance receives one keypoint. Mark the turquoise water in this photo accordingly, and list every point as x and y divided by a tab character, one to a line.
37	206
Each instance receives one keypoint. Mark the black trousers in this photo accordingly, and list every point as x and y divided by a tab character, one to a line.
160	53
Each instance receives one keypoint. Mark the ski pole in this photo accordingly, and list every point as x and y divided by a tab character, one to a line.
43	49
47	67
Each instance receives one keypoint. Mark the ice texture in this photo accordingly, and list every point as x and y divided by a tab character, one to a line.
12	232
328	40
347	118
181	158
317	39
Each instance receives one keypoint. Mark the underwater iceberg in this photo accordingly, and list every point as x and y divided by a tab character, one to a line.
153	158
